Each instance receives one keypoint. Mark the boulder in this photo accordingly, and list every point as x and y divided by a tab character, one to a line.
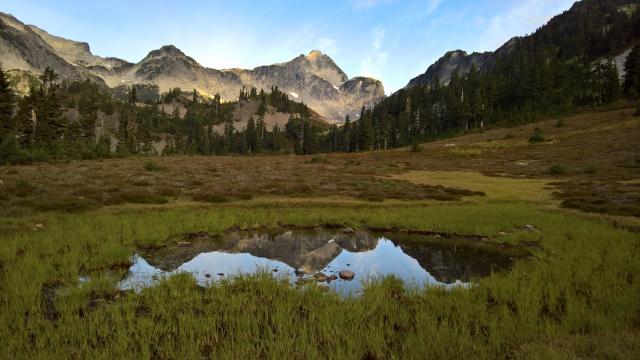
347	275
320	277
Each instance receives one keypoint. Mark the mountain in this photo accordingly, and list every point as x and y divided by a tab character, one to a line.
314	79
591	30
460	62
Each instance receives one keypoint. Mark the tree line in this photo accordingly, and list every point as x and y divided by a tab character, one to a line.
61	119
566	64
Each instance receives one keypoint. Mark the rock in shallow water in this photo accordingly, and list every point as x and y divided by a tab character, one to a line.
347	275
320	277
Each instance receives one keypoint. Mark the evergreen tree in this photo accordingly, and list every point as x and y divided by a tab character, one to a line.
7	124
346	138
252	136
632	73
49	118
365	131
24	119
127	142
88	109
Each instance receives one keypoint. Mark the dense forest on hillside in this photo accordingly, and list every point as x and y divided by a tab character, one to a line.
60	119
566	64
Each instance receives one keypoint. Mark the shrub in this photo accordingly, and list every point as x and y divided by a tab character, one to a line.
416	147
537	136
560	123
246	195
318	160
558	169
152	166
21	188
209	197
509	136
591	169
143	198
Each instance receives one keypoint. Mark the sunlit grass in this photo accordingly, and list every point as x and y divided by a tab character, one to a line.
582	280
495	188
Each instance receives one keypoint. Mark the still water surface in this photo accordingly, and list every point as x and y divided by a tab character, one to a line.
298	255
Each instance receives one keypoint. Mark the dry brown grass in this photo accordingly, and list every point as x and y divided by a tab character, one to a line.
597	148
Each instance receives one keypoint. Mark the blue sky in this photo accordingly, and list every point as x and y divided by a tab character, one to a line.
392	40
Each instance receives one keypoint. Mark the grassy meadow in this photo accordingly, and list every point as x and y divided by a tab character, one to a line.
576	296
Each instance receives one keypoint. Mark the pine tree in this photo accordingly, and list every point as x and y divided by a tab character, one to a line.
251	135
25	117
88	109
127	142
632	73
50	122
365	131
346	130
612	81
260	136
7	123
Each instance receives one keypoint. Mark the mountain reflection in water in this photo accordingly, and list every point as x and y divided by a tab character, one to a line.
296	254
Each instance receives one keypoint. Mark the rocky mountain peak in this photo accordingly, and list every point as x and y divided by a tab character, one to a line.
455	54
456	61
315	54
324	67
167	51
312	78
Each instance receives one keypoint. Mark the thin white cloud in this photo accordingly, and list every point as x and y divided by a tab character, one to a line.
373	64
367	4
524	17
328	46
432	5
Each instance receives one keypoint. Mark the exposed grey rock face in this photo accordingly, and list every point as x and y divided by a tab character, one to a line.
314	79
452	62
21	48
460	62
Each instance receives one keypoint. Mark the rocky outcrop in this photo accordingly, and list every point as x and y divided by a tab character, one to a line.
460	62
314	79
457	61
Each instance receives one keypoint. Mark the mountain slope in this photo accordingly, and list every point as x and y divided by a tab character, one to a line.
314	79
460	62
591	30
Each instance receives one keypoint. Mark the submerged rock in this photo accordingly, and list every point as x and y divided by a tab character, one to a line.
320	277
347	275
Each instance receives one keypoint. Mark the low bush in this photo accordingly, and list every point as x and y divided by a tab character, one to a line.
152	166
209	197
143	198
21	188
537	136
558	169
